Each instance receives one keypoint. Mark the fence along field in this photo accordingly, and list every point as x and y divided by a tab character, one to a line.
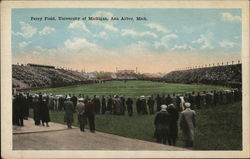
219	128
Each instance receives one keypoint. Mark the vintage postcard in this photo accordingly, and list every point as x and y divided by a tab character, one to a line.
125	79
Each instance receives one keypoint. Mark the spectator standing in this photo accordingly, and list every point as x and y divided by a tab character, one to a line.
80	109
168	100
198	101
90	113
138	106
151	103
109	105
158	102
188	124
14	110
36	109
69	110
129	104
44	111
103	105
178	103
74	100
20	109
174	115
162	124
97	104
174	99
143	105
123	107
216	98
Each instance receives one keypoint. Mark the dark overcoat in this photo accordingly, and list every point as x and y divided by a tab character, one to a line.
44	112
69	110
162	124
174	115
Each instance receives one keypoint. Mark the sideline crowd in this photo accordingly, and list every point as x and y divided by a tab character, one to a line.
168	109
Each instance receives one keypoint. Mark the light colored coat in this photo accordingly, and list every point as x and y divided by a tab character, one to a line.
80	108
188	123
182	103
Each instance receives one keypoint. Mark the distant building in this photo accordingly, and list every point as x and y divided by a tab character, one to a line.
125	71
126	74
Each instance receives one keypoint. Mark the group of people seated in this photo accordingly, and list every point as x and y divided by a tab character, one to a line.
220	75
42	76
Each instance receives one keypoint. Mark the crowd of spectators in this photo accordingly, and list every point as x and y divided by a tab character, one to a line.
37	77
217	75
175	105
28	76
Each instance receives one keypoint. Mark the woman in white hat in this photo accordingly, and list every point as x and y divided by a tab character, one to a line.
187	124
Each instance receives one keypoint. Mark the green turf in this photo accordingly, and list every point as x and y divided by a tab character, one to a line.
218	128
130	88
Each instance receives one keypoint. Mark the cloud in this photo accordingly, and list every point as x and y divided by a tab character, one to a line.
227	44
46	30
106	25
230	18
168	37
27	31
103	14
182	47
77	44
23	44
133	33
205	40
158	27
78	25
147	33
139	46
165	40
128	32
102	35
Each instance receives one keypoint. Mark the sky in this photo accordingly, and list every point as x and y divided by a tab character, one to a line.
165	40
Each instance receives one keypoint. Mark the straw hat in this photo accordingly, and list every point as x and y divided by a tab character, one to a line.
187	104
164	107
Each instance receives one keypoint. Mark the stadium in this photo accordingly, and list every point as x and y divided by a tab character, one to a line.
171	81
219	105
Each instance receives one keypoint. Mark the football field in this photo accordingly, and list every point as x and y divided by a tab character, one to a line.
132	88
212	123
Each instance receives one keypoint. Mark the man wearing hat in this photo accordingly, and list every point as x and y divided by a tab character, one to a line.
129	103
44	111
162	123
69	109
143	105
90	113
36	109
80	109
174	115
187	124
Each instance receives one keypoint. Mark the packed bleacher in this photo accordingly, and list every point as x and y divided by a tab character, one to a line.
217	75
29	76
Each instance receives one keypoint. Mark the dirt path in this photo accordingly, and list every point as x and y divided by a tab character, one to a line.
58	137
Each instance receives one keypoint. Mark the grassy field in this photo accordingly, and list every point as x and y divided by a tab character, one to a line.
130	88
218	128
